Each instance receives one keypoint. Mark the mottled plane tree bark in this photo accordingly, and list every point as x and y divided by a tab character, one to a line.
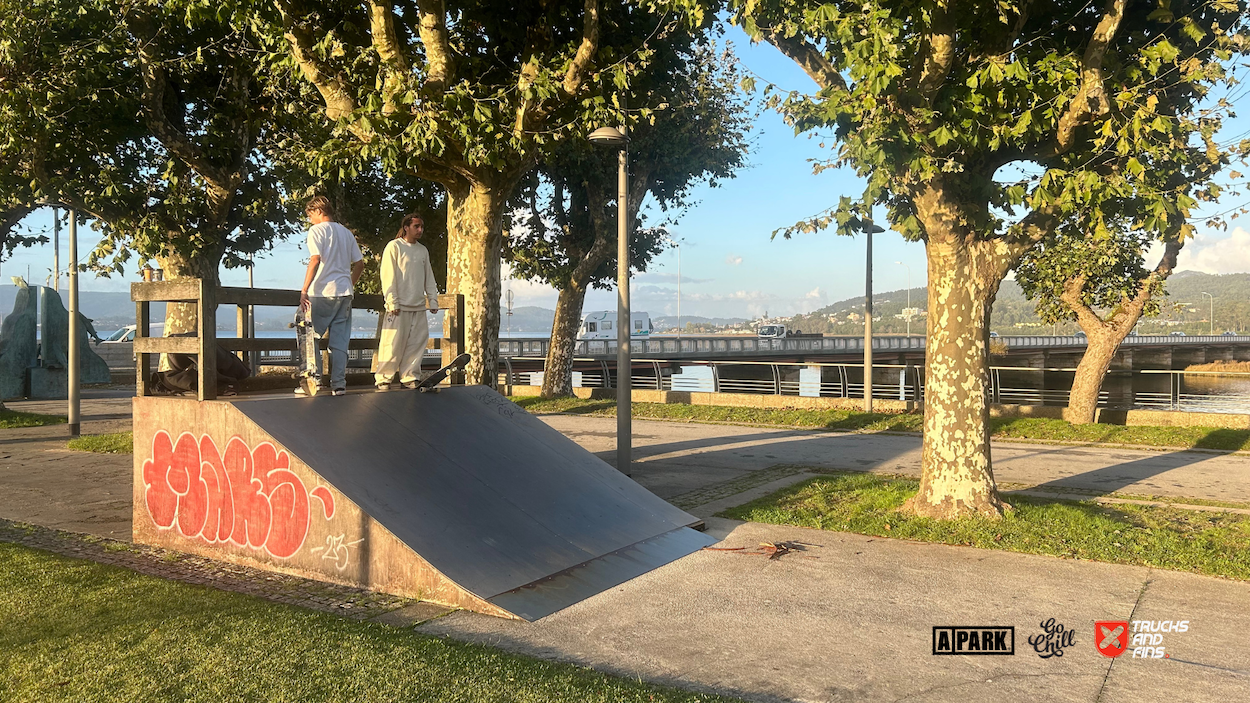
981	127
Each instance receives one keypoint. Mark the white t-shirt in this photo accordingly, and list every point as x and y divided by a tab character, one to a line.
337	247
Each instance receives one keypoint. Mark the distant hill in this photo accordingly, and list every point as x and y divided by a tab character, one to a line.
669	322
1185	309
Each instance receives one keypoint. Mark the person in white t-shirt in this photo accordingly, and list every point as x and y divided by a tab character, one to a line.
333	269
410	291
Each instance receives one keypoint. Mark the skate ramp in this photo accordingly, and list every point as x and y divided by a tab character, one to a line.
501	505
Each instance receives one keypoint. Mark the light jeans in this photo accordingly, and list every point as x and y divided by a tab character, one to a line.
332	319
402	346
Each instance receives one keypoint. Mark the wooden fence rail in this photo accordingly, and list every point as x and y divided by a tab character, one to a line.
205	343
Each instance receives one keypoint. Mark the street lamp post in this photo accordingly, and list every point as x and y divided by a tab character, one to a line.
615	139
907	312
678	293
870	229
1212	314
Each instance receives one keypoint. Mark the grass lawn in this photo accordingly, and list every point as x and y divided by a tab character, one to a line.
116	443
80	631
10	419
1171	538
1023	428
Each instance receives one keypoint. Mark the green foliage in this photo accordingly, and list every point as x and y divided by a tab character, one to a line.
696	134
79	631
115	443
924	102
1163	537
10	419
152	117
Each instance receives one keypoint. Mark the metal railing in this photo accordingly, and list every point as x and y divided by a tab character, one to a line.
1219	392
728	345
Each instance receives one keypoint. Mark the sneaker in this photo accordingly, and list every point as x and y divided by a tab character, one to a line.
299	390
410	385
380	387
339	391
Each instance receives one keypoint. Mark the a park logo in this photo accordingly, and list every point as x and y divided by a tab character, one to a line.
1111	637
974	640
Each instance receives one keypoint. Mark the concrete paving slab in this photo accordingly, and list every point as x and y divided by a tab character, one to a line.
852	619
672	458
1214	649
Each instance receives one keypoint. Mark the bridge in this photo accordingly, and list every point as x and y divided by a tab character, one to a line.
1155	349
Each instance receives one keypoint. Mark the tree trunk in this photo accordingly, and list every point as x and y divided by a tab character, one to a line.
205	265
558	378
474	241
1083	401
956	474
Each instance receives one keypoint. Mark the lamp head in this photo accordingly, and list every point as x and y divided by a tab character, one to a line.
610	137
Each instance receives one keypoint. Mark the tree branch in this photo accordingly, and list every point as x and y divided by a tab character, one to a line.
939	54
1091	98
1130	310
390	50
440	62
334	89
808	57
575	74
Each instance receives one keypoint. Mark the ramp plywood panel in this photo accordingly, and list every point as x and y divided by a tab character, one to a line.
460	494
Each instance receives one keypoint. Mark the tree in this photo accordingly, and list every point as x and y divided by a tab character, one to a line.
1103	284
470	95
697	134
981	128
150	116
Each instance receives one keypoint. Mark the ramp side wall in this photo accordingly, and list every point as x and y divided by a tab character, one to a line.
209	481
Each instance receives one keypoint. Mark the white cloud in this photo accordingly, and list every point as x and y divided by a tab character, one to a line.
733	260
1211	254
670	278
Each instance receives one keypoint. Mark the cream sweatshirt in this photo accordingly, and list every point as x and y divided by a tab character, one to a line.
407	277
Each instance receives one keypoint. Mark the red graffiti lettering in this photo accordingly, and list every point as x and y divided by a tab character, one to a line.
249	498
327	500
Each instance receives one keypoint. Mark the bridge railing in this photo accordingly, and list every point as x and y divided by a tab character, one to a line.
203	346
1220	392
730	345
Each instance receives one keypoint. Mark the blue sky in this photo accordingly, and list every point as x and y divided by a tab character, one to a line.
730	265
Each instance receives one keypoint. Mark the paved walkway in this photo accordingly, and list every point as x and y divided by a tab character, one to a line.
849	618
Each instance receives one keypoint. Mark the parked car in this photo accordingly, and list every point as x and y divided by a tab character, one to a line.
1177	334
1230	333
127	333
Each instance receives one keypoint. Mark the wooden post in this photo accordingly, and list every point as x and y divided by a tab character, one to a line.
143	362
240	326
207	320
453	332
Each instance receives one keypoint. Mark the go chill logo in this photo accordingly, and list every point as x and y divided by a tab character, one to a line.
974	640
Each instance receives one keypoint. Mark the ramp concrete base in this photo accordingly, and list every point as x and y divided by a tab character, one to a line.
459	498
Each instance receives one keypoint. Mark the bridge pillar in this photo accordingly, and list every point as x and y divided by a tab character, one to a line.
1118	383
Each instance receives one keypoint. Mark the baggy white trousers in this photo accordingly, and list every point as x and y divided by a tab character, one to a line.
402	346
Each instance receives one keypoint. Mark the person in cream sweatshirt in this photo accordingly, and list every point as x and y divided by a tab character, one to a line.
411	293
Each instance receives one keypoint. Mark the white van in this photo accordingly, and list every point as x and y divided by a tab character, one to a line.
127	333
602	325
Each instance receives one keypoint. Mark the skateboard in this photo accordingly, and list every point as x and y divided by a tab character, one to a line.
430	384
306	352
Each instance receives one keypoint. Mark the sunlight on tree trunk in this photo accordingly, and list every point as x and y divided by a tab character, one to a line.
558	379
474	229
956	474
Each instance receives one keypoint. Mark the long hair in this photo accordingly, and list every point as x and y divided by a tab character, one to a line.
403	225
